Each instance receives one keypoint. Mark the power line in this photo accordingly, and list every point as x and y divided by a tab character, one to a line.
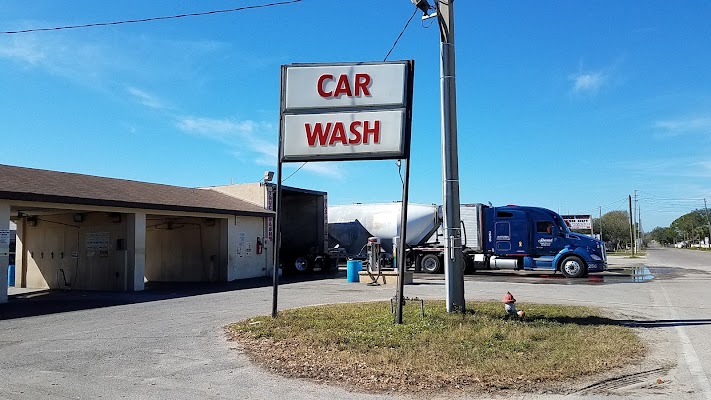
292	174
400	35
133	21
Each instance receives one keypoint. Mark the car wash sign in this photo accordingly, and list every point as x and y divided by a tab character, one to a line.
352	111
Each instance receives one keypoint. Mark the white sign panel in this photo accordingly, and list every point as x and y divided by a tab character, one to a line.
355	85
343	135
578	222
352	111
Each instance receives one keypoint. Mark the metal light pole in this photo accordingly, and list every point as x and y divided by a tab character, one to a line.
453	258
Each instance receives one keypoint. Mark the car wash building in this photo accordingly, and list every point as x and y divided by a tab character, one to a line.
93	233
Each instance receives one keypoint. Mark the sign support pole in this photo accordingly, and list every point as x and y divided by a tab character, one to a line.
277	242
401	264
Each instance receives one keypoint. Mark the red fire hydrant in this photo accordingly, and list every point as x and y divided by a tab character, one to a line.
510	306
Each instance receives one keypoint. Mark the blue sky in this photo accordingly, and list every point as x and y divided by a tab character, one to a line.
569	105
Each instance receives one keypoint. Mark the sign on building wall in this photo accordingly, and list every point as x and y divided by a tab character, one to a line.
241	241
4	241
346	111
270	206
97	241
578	222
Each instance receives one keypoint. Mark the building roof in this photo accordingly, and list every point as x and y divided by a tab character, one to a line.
37	185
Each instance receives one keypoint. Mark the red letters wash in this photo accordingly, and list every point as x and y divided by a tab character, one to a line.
317	133
344	87
334	133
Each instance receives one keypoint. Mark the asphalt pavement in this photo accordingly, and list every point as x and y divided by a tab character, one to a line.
168	342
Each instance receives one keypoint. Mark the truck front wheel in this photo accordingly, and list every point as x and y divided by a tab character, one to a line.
573	267
302	264
431	263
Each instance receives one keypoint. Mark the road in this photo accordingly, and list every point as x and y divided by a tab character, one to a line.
169	343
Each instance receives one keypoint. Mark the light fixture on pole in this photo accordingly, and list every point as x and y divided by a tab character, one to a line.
425	6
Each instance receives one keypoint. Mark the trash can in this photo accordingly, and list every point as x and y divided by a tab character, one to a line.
11	275
352	269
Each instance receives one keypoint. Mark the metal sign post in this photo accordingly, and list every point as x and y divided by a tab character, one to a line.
401	247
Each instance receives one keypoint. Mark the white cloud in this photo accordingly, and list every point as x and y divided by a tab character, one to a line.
22	49
588	82
225	130
146	99
684	126
668	168
106	62
248	137
327	169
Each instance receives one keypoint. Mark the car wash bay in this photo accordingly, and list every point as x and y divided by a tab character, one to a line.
98	250
91	233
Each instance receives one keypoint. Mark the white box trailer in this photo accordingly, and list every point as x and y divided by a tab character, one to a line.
304	223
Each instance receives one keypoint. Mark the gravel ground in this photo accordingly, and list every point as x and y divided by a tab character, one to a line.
169	342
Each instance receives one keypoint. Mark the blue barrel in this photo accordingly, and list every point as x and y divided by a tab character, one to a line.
352	269
11	275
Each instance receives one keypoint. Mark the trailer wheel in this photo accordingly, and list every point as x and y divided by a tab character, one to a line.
573	267
325	264
469	267
302	264
431	263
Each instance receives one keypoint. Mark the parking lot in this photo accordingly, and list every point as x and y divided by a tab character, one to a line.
168	341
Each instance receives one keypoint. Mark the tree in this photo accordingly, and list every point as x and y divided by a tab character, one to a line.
692	226
663	236
615	228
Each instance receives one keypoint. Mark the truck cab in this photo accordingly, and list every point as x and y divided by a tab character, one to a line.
537	238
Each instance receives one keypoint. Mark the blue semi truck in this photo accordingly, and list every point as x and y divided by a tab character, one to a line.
508	237
516	237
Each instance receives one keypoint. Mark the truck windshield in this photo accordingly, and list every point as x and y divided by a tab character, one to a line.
561	223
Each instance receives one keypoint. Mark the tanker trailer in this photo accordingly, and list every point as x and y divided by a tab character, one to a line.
350	226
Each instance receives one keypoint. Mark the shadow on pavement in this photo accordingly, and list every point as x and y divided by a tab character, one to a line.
654	323
58	301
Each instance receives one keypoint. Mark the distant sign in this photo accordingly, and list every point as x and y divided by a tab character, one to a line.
578	222
352	111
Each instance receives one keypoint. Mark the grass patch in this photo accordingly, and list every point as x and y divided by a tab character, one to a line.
358	345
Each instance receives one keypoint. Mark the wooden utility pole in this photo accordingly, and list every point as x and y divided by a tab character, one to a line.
631	226
708	221
600	210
